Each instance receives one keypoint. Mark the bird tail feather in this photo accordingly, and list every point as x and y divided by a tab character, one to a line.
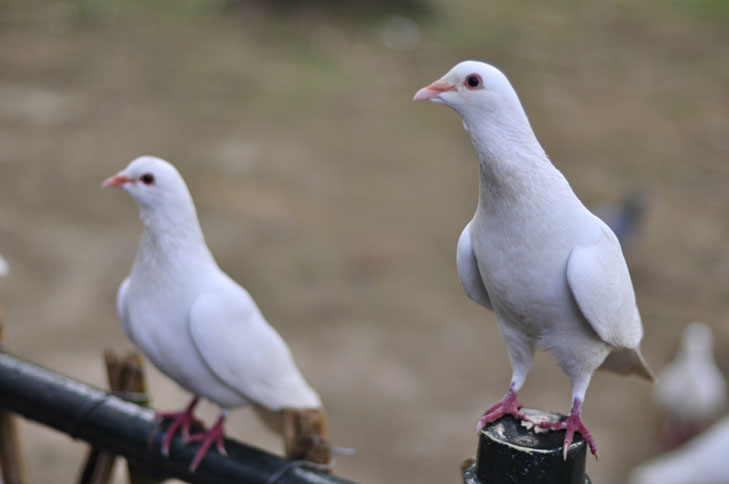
627	361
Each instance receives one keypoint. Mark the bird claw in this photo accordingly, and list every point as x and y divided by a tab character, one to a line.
181	421
572	424
509	405
214	435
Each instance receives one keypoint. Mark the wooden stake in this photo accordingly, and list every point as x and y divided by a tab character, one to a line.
132	378
12	460
126	376
306	435
100	463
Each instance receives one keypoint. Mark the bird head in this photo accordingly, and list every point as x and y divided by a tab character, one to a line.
698	339
160	193
151	181
470	85
487	103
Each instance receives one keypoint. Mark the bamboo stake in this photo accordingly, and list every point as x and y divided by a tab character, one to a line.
12	459
133	380
306	436
126	379
100	463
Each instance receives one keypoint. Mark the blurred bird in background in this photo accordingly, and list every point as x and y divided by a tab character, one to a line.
691	390
4	267
552	272
702	460
626	218
202	329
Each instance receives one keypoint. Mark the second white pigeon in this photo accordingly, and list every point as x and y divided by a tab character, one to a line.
193	322
701	460
552	272
691	390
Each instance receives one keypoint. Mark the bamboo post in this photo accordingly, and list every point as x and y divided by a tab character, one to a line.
130	430
133	380
12	459
510	453
100	463
126	379
306	436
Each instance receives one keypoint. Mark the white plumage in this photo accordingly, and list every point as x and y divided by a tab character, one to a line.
702	460
552	272
190	319
4	267
691	390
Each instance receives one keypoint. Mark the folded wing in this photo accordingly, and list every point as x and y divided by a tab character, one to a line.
600	282
245	352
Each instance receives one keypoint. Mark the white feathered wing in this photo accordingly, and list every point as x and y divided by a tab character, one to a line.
245	352
598	277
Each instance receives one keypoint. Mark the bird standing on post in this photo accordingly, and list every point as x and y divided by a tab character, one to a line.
551	271
194	322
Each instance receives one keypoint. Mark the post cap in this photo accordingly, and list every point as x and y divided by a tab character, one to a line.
512	452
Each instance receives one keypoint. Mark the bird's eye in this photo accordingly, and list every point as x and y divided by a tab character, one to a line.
473	81
147	178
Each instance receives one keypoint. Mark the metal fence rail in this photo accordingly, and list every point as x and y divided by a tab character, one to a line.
129	430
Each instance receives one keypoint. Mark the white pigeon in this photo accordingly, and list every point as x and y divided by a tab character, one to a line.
702	460
4	267
190	319
691	390
551	271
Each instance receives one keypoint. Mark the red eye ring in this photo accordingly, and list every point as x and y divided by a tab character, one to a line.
147	178
473	81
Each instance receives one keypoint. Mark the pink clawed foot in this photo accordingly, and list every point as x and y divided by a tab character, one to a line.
509	405
572	424
214	435
180	421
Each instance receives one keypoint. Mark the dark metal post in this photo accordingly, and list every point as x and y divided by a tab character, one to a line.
511	453
129	430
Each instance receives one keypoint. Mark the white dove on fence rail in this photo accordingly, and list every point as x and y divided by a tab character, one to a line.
194	322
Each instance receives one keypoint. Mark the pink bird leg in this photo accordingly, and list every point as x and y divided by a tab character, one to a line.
214	435
572	424
509	405
180	421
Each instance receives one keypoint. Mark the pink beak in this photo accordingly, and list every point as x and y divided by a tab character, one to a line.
434	90
118	180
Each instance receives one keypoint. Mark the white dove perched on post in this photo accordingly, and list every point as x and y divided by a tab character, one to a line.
195	323
691	391
552	272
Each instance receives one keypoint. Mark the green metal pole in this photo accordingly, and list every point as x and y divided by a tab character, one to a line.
127	429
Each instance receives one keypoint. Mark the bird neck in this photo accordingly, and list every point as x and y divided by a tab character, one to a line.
512	163
172	235
698	353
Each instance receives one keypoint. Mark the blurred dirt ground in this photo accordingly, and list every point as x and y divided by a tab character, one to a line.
338	202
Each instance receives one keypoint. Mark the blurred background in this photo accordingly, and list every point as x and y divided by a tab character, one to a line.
337	201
